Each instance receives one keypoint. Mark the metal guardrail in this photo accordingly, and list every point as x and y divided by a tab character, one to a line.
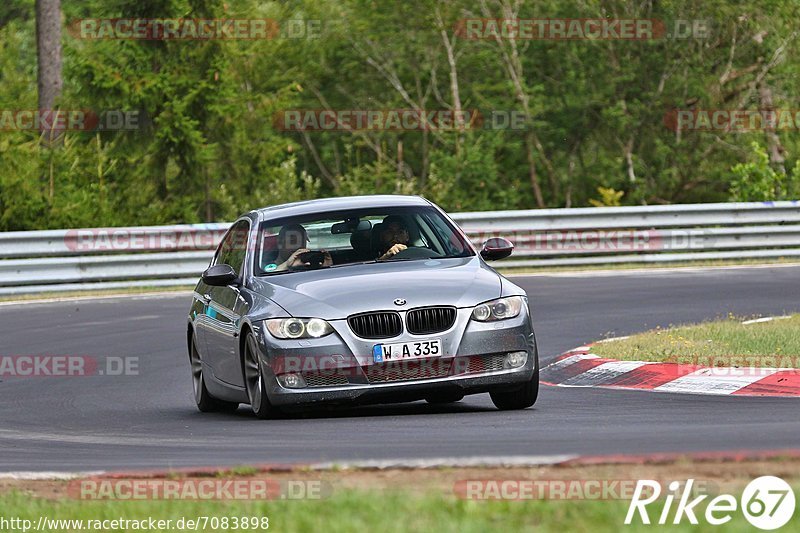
107	258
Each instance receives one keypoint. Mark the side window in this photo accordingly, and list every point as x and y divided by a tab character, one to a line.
449	240
233	248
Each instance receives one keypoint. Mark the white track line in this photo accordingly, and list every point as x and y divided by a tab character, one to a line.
613	339
48	476
582	349
765	319
502	461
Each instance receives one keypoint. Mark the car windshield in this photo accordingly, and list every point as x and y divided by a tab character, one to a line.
340	238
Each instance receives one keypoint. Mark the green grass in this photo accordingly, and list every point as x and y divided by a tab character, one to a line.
91	293
352	510
722	342
238	471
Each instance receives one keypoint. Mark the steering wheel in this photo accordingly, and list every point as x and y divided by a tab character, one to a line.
416	252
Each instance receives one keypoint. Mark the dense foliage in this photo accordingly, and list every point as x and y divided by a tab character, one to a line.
207	148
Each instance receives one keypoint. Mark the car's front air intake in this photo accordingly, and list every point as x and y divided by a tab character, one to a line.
407	370
430	320
381	325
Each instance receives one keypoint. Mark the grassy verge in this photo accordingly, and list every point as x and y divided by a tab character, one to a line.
364	511
68	295
417	500
346	511
724	342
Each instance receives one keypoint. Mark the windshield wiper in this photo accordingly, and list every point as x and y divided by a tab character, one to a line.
371	261
276	272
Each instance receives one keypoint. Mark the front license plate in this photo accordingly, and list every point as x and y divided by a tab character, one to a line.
406	350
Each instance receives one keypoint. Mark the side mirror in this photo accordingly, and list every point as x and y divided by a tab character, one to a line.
220	275
496	248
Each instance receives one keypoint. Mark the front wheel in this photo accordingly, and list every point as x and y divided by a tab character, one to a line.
254	380
205	402
519	398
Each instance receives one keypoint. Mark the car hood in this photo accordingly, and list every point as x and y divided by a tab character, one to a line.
336	293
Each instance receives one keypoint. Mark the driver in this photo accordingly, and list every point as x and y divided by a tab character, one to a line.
393	237
292	242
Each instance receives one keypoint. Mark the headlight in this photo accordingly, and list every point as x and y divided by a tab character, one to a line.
298	328
499	309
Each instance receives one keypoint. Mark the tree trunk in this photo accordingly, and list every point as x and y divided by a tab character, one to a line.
537	190
209	208
48	49
775	148
514	69
400	161
454	89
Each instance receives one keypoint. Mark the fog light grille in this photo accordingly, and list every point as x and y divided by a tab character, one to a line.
484	363
324	379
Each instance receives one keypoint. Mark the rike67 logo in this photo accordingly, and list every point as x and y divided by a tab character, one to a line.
767	502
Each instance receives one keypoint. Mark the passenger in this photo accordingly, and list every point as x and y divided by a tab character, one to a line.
292	242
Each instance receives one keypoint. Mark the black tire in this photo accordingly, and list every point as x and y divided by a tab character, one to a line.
206	403
519	398
444	398
254	380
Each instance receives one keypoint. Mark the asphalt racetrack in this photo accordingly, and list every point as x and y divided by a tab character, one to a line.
149	420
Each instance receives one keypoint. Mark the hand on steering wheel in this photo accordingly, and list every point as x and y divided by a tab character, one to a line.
394	250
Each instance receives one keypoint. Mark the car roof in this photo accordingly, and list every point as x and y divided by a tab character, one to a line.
307	207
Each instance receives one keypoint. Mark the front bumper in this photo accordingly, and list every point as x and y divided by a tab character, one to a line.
339	368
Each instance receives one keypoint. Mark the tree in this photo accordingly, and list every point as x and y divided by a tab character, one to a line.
48	48
50	83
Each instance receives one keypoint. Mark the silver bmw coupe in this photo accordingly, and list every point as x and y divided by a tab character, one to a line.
368	299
